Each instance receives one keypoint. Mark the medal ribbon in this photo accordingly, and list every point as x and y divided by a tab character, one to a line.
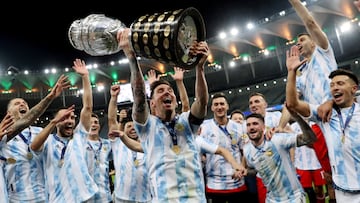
26	140
64	147
348	118
171	128
96	152
224	130
261	148
134	155
2	158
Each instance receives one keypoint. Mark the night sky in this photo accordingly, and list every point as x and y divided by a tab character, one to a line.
34	35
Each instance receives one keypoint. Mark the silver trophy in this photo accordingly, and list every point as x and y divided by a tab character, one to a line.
95	34
165	37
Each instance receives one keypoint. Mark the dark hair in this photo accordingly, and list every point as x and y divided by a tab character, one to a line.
257	94
302	34
126	120
256	115
237	111
219	95
348	73
94	115
157	83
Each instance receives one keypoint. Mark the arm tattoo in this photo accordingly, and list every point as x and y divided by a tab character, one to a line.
32	115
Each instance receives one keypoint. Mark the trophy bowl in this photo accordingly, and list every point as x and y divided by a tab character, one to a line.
165	37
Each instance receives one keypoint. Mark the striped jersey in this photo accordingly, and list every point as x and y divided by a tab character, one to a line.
272	161
218	171
67	181
305	157
343	148
25	177
175	170
313	81
205	146
97	156
131	175
272	119
3	190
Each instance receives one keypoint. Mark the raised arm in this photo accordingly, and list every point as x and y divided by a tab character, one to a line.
292	101
122	115
40	139
178	76
308	136
40	108
112	109
311	25
199	107
140	111
151	76
5	125
85	115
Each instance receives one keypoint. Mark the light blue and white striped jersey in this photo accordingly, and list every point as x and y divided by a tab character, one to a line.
25	177
305	157
272	162
218	171
173	177
205	146
313	83
344	152
71	182
97	156
131	175
4	197
272	119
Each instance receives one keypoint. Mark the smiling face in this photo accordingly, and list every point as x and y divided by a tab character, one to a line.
219	107
305	45
255	129
257	104
66	127
18	108
95	126
343	90
129	130
163	101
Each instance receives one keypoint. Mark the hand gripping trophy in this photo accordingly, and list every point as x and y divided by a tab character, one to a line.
165	37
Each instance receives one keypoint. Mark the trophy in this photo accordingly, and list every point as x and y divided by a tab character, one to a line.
164	37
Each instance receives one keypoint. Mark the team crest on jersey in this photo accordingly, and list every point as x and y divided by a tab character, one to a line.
57	146
179	127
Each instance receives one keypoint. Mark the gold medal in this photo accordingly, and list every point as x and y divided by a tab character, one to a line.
97	162
10	160
269	153
233	141
61	163
29	155
176	149
343	138
136	162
